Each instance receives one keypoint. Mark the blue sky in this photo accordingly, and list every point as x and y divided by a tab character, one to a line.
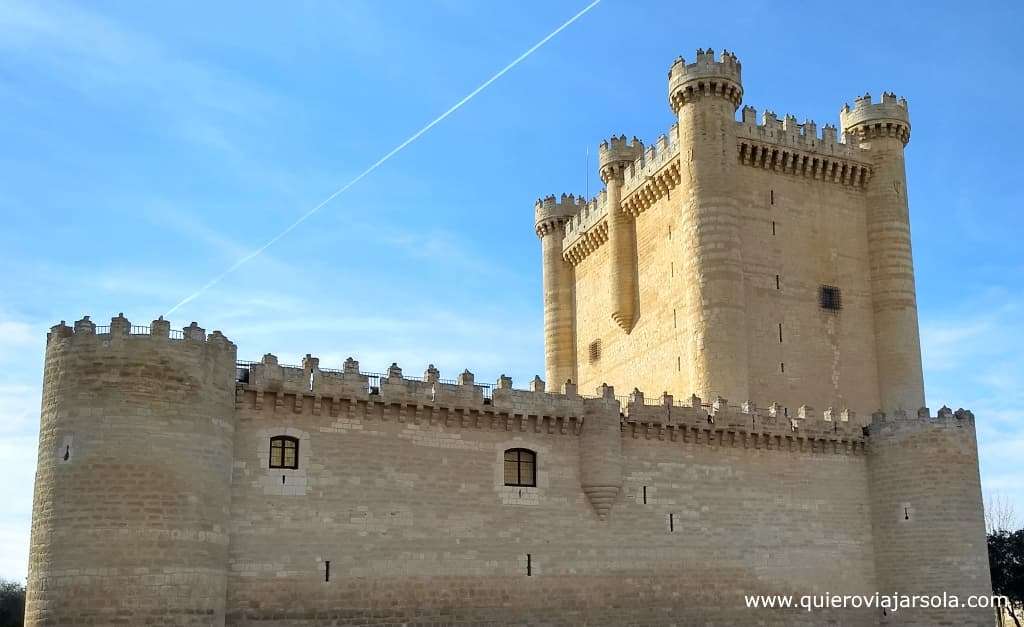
145	148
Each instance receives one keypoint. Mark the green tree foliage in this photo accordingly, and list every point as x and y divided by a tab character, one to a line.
12	603
1006	561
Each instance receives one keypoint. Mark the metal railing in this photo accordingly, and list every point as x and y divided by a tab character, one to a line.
373	379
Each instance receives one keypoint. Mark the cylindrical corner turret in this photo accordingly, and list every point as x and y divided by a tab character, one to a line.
705	96
884	129
614	157
705	77
132	488
551	214
601	451
927	518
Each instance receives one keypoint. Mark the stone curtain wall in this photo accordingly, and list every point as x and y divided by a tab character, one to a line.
410	509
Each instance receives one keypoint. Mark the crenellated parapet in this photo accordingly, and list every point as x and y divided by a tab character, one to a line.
587	230
463	402
789	147
704	78
269	385
617	154
652	174
746	425
551	213
867	120
899	422
85	330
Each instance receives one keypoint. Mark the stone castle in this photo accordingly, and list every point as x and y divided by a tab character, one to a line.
755	279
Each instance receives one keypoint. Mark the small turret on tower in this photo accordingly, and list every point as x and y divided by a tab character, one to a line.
704	95
705	77
888	118
883	129
550	215
614	157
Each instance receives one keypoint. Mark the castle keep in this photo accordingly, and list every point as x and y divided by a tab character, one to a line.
733	405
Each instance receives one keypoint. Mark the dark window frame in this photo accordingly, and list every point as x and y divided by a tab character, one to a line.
830	298
530	460
284	441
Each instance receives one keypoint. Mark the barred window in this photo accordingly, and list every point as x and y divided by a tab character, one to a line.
520	467
284	452
830	298
594	352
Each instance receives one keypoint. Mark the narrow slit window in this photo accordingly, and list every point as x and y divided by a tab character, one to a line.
520	467
771	196
782	366
675	321
679	363
284	452
773	227
778	282
671	523
780	333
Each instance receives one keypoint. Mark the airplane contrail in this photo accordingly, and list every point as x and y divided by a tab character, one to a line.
242	261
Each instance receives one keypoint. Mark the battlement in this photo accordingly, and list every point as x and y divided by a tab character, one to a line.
121	327
746	425
654	158
888	118
794	148
788	131
901	422
307	387
705	77
550	212
618	153
588	229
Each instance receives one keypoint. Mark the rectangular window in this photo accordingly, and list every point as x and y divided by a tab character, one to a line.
284	452
782	366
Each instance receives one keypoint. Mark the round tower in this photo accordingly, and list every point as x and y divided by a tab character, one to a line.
704	95
614	156
601	451
551	214
884	129
927	518
132	488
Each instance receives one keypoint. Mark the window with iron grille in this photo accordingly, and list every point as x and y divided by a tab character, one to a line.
830	298
284	452
520	467
594	351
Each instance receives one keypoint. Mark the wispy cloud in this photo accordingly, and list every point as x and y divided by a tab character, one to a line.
95	54
974	357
